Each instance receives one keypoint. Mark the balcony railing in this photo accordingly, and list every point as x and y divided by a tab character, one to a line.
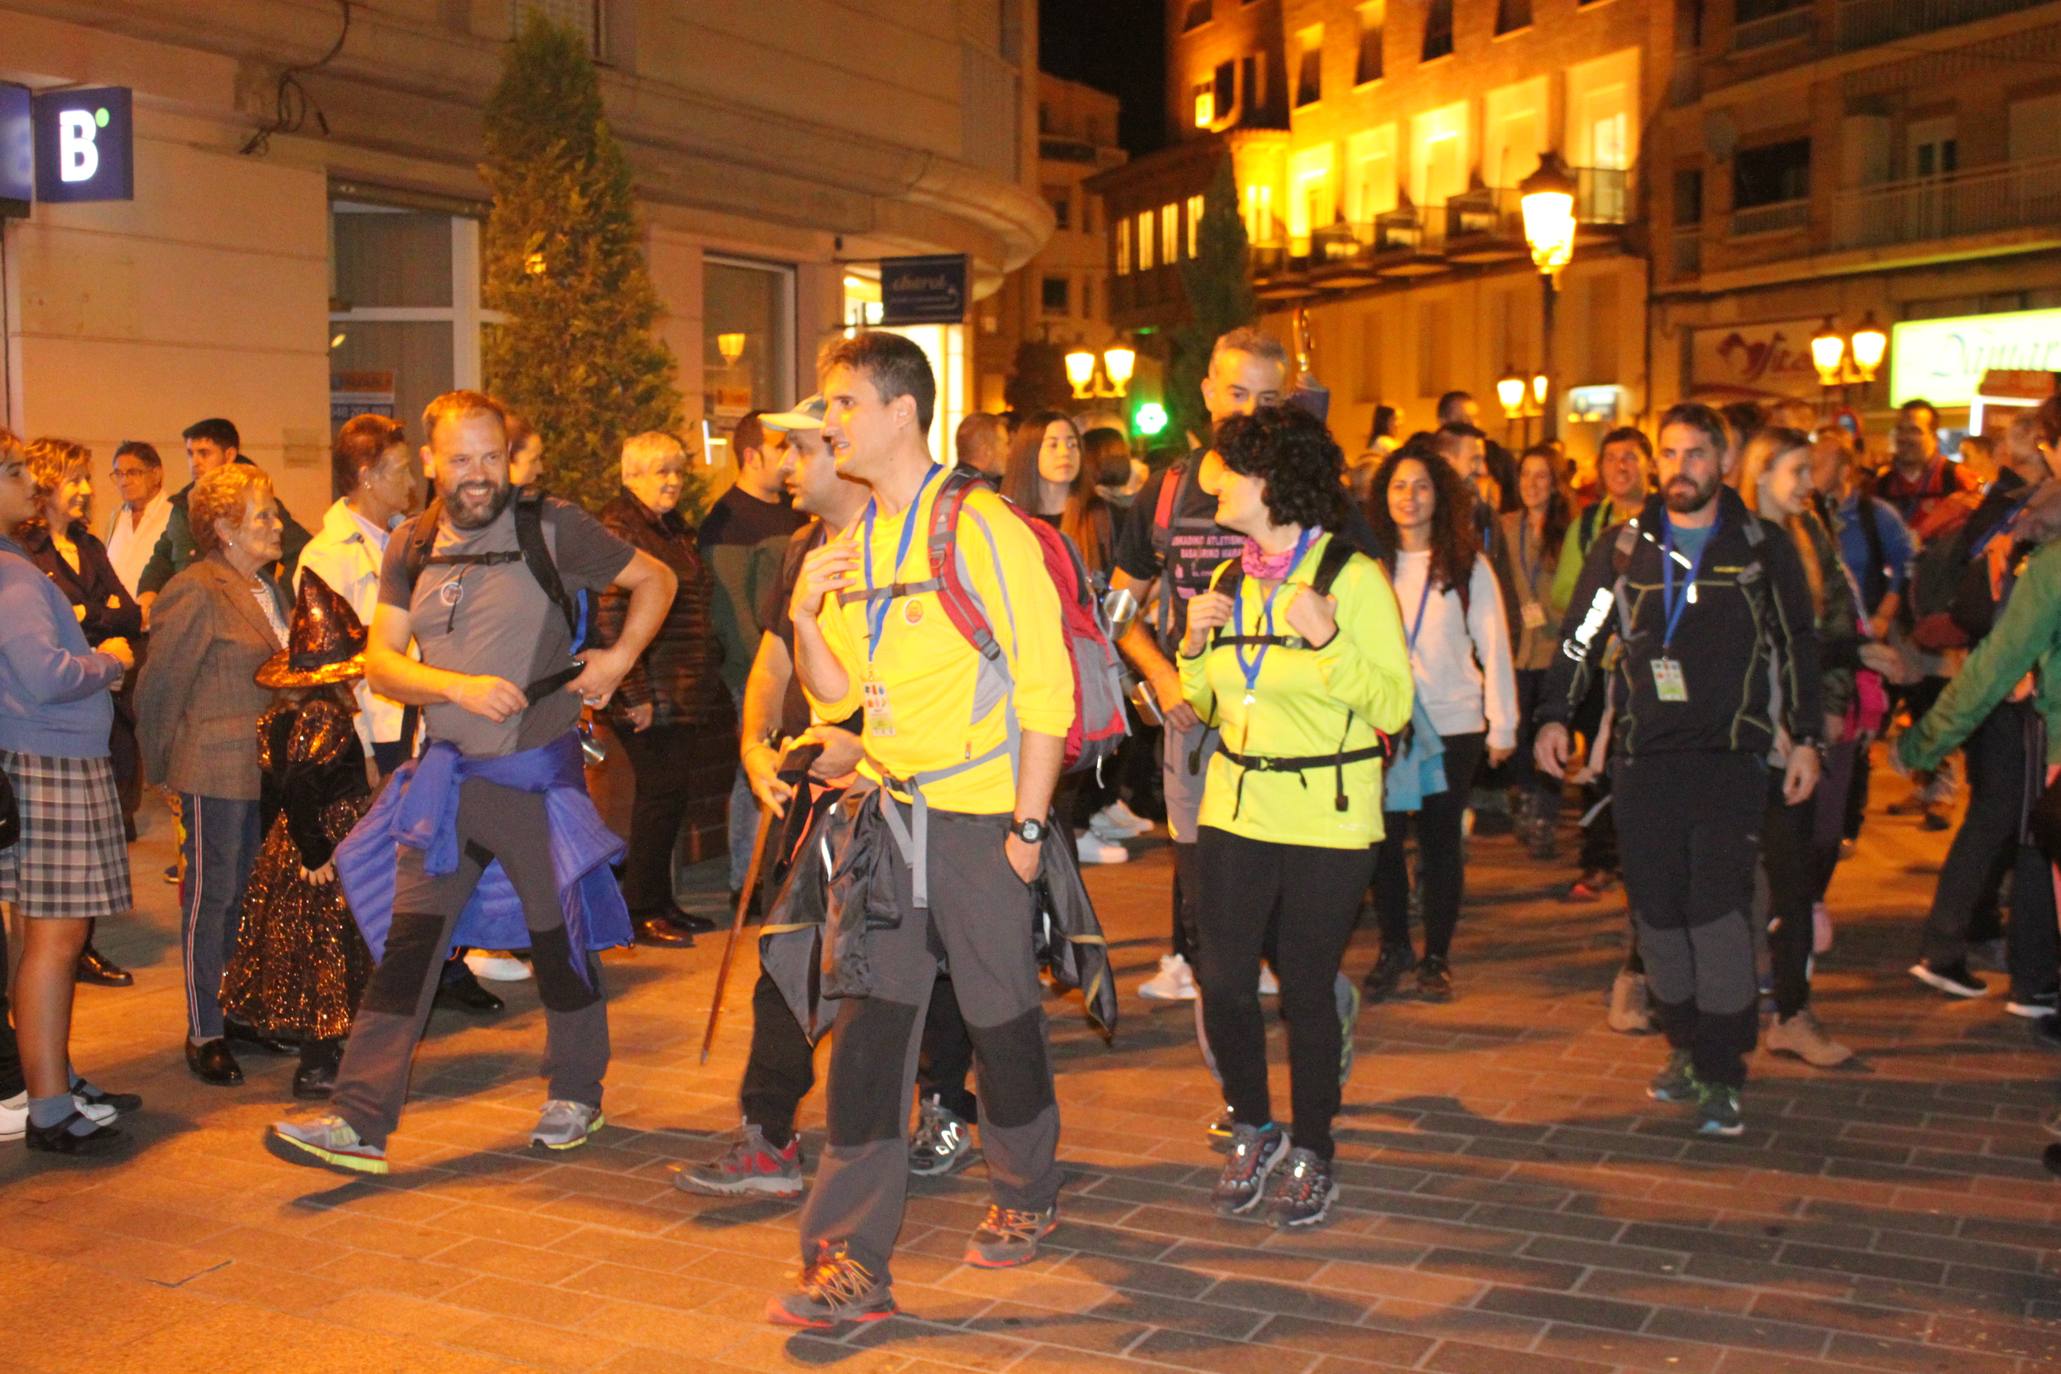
1775	28
1865	23
1768	219
2020	195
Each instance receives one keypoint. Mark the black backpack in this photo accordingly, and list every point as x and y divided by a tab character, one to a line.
535	553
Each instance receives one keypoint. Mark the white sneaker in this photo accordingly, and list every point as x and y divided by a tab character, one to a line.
1175	981
14	1114
1117	821
1270	986
496	968
1093	849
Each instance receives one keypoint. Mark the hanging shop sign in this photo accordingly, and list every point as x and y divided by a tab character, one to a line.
926	290
17	152
1751	362
85	143
1943	361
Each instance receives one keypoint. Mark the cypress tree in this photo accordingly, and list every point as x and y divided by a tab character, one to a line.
577	354
1218	282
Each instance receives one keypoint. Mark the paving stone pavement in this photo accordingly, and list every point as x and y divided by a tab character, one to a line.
1511	1200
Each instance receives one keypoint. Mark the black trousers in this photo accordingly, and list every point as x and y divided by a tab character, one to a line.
1439	871
1531	689
1311	898
1986	845
1688	830
658	763
1790	859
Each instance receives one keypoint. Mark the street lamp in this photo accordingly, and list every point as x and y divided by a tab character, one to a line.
1547	198
1828	354
1510	391
1080	370
1869	344
1117	364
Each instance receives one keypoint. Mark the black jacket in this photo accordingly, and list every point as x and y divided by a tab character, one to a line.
1747	645
111	613
679	674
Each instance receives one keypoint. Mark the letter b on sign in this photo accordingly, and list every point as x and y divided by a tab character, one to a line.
77	159
84	142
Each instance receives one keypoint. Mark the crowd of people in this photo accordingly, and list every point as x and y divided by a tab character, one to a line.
950	686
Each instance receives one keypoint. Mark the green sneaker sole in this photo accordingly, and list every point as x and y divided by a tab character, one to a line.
593	1129
300	1152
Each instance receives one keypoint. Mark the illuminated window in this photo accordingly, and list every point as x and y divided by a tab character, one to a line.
1205	105
1123	247
1373	21
1145	241
1169	234
1194	226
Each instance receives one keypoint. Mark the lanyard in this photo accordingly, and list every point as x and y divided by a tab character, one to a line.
1673	603
876	608
1423	600
1528	566
1251	669
2003	522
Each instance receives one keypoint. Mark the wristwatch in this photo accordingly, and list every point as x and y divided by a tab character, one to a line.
1029	831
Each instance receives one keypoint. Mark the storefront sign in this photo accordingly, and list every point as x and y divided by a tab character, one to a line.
1943	360
1754	361
930	290
360	392
17	152
84	145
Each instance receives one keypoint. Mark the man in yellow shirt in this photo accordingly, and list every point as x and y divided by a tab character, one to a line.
962	750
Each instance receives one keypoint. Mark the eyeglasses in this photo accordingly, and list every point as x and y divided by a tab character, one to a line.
121	472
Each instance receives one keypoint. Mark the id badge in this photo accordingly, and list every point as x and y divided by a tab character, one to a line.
1534	616
880	720
1668	682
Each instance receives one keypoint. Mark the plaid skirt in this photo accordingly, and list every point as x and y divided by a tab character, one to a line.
71	860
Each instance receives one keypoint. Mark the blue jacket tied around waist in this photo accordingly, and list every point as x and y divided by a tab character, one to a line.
419	808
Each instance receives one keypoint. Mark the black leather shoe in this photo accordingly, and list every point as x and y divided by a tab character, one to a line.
689	922
100	1097
102	972
59	1140
212	1063
463	991
657	930
316	1077
236	1033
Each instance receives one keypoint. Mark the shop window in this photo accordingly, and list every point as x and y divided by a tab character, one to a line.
1512	15
1373	23
1438	29
1771	174
1057	299
583	17
1309	76
747	337
405	315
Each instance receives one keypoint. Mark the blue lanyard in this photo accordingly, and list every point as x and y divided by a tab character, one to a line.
1423	600
1529	567
1252	670
876	608
1673	603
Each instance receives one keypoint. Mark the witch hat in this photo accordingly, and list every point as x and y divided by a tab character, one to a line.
325	643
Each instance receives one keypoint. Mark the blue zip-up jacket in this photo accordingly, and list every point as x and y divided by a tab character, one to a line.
54	691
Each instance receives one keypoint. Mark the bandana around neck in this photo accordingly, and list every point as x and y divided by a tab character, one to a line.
1270	567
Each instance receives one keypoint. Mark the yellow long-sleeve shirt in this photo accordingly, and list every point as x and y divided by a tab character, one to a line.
922	677
1300	704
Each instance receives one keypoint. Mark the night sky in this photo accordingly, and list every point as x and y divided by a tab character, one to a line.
1118	46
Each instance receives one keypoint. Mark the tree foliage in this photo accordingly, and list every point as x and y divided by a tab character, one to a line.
1218	283
577	355
1038	381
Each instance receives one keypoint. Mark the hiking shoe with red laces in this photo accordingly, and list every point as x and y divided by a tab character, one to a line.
837	1290
751	1165
1007	1236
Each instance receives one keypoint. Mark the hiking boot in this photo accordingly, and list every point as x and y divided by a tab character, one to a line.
1304	1194
1629	1013
1675	1083
1717	1111
1255	1150
1801	1035
1007	1237
1175	981
324	1142
1952	979
941	1140
566	1125
1381	980
1220	1130
750	1165
834	1291
1435	979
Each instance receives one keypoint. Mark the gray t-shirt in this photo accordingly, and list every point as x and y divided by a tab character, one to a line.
495	619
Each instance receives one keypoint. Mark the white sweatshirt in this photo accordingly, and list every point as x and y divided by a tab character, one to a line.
1461	663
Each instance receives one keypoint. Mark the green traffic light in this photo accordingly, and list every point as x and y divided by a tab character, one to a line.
1150	419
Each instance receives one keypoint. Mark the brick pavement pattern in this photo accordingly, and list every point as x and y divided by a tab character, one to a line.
1511	1201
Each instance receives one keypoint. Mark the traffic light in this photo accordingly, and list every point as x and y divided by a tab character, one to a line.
1149	419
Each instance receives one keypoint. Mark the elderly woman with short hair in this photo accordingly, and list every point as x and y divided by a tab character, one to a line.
197	708
675	686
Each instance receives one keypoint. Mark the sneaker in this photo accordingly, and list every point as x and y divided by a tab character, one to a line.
1347	998
1953	979
1435	979
1675	1083
324	1142
1387	974
1305	1193
836	1290
1802	1036
1269	985
564	1125
1590	887
1717	1111
941	1141
2036	1007
1821	929
1007	1237
14	1113
1117	821
1629	1013
1091	848
750	1165
497	968
1175	981
1255	1150
1221	1130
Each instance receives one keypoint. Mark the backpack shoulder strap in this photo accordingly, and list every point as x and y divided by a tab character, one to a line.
1169	501
1627	544
954	597
536	556
422	537
1337	553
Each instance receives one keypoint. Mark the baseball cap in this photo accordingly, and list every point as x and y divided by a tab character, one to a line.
807	415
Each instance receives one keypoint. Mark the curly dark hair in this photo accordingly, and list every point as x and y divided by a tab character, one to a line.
1454	543
1290	450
